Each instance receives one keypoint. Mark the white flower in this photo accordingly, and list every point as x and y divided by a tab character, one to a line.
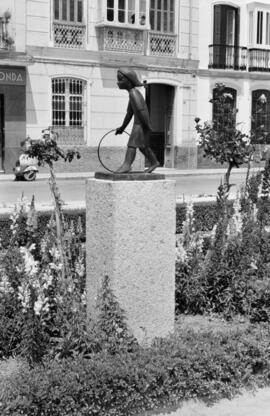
254	212
24	295
30	265
236	222
5	286
180	254
228	95
55	253
41	304
262	99
213	233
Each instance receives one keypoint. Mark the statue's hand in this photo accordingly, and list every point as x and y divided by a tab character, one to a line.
119	130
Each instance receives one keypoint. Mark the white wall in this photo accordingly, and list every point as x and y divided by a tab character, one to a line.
38	22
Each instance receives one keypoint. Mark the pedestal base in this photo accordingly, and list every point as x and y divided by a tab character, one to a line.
130	236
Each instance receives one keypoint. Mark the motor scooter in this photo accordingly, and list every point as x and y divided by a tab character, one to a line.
25	167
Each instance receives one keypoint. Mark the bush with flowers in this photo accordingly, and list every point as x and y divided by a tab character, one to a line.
39	305
227	270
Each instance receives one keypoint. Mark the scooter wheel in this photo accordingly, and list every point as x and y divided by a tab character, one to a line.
30	175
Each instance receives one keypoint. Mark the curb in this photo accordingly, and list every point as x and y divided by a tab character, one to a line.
174	173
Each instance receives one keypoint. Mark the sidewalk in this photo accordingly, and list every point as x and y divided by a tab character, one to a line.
248	404
168	172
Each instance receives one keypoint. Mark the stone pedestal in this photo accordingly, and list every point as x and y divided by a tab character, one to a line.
130	236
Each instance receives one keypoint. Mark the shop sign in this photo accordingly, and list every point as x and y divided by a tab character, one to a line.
15	76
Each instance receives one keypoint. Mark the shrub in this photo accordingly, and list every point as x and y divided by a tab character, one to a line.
207	365
231	275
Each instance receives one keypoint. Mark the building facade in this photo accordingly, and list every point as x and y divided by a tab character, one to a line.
61	72
234	49
13	74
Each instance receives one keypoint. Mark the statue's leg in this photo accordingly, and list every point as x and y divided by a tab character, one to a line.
150	155
129	159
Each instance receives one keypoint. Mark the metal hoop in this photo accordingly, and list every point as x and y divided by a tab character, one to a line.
98	150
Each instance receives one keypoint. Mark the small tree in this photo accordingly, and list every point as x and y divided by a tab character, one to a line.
221	139
47	151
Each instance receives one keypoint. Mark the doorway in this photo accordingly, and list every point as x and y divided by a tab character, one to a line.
226	37
2	131
160	103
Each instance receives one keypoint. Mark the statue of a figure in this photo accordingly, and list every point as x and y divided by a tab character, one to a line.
139	138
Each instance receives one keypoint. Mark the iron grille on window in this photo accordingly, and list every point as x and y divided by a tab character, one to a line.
162	38
68	103
229	108
261	115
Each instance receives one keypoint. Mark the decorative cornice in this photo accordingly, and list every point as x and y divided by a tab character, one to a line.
111	59
227	73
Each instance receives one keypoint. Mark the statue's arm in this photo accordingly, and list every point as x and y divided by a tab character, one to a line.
126	121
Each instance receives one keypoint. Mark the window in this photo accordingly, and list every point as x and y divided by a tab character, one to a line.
267	34
250	27
70	11
259	28
261	114
225	49
162	15
259	25
68	104
226	25
229	106
127	11
68	28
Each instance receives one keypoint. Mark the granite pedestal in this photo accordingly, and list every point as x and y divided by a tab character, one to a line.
130	236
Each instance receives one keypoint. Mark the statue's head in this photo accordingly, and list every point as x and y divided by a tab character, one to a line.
127	77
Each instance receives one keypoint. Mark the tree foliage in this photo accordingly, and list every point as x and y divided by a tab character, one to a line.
221	139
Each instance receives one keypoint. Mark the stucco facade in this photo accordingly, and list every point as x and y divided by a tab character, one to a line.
84	50
236	54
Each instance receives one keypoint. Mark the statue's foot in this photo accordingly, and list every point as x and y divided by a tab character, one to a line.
123	169
152	167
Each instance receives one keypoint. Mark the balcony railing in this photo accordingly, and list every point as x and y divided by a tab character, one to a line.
227	57
69	35
259	60
162	44
239	58
121	39
132	40
68	135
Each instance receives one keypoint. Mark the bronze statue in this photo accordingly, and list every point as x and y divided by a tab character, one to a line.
139	138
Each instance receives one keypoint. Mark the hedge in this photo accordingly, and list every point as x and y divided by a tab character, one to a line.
207	366
204	213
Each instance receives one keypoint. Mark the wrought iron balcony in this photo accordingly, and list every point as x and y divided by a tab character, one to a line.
69	35
138	41
259	60
227	57
122	39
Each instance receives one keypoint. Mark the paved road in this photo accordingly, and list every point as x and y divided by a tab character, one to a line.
73	190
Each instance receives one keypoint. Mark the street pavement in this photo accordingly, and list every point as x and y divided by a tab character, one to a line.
198	184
